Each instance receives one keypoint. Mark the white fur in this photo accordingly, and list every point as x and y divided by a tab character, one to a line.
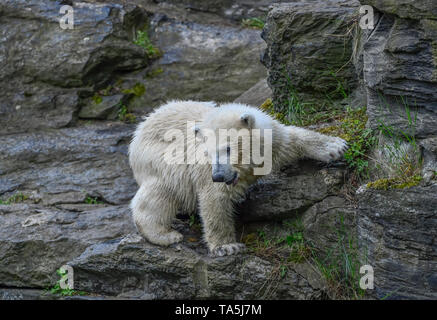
165	188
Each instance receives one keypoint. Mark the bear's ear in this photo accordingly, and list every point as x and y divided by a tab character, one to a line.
247	119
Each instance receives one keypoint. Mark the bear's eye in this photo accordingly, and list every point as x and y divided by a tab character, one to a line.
228	150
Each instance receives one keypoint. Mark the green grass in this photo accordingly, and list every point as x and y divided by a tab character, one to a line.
16	198
296	110
137	90
339	91
401	161
338	264
154	72
301	113
255	23
92	200
284	250
352	128
194	222
143	40
395	183
125	116
56	289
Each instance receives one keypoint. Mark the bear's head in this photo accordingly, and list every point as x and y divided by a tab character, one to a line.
233	138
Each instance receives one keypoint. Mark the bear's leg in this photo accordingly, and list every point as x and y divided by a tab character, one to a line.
318	146
216	211
153	212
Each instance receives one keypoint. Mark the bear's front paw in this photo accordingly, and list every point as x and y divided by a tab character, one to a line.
334	149
228	249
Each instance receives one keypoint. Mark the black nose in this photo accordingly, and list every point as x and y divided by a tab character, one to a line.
218	177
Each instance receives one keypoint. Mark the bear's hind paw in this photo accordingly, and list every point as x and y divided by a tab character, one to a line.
165	239
228	249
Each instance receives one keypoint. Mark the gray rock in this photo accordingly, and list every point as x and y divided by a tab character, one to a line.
110	260
132	266
106	109
398	229
307	41
196	64
400	76
45	74
291	192
429	167
256	95
328	219
201	10
66	165
406	8
25	294
35	241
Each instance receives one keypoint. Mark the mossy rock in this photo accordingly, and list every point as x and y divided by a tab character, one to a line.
395	183
137	90
103	108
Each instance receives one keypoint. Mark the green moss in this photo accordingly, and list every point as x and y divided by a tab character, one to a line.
155	72
125	116
336	131
268	108
119	83
143	41
395	183
16	198
107	91
352	128
255	23
138	90
97	99
92	200
381	184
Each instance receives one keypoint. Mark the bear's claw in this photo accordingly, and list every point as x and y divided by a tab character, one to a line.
228	249
335	148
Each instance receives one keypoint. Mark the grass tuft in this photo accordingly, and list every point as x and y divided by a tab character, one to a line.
143	40
92	200
397	158
125	116
16	198
338	264
352	128
138	90
255	23
56	289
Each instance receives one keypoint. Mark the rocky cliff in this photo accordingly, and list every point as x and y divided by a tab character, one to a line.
71	98
391	70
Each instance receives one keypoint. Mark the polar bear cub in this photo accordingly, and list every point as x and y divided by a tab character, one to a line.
180	160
